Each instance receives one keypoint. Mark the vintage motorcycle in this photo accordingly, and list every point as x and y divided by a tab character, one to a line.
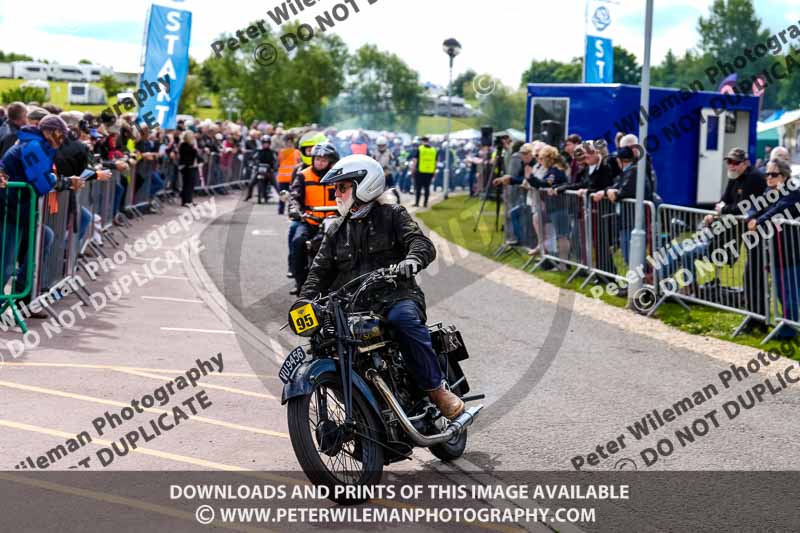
352	405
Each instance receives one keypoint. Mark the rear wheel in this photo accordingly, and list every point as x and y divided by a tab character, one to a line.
329	453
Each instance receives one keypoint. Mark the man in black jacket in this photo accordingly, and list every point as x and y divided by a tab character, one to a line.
746	182
372	235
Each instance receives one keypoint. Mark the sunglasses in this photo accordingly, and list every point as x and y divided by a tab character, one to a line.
343	187
773	174
733	162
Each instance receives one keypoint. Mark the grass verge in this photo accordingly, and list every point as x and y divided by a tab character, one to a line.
455	219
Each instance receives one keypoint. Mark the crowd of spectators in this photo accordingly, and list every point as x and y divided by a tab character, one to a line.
79	147
538	174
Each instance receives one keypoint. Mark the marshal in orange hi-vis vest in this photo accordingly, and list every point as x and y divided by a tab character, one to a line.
317	195
288	159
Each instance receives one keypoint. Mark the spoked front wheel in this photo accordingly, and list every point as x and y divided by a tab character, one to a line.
329	452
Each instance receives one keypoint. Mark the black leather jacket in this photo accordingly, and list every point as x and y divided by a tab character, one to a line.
350	248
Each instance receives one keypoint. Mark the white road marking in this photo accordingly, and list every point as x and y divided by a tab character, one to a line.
193	330
168	299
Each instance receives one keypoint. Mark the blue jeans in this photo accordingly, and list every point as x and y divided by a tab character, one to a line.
22	272
625	244
414	338
83	224
9	250
686	260
517	214
299	256
156	184
292	230
119	193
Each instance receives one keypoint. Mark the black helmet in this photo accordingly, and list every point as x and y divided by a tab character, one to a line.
326	149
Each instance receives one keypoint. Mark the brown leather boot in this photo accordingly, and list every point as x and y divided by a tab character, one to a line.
448	403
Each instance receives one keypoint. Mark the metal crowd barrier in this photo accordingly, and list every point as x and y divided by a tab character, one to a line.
17	247
173	182
709	264
609	226
139	193
214	178
563	229
518	224
55	217
784	269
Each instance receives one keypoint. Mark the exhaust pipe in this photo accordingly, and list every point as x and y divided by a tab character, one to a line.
454	428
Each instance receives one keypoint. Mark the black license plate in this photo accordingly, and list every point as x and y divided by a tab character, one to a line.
293	361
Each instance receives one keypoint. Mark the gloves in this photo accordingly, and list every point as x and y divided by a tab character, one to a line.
294	215
407	268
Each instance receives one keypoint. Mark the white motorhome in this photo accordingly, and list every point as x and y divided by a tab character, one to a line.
30	70
94	72
6	70
66	73
84	93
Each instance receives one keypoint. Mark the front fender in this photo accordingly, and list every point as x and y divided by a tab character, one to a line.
302	383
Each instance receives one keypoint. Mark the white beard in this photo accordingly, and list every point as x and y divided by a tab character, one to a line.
733	175
344	207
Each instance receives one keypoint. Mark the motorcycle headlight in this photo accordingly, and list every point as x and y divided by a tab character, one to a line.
304	320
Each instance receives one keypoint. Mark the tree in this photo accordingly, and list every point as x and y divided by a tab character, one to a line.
84	62
788	91
626	69
13	56
550	71
667	73
191	90
291	87
504	107
383	91
461	82
111	85
731	26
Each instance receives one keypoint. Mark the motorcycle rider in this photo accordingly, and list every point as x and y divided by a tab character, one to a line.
373	233
265	156
288	160
307	193
306	143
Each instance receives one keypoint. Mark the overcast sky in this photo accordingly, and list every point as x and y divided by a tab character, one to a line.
499	37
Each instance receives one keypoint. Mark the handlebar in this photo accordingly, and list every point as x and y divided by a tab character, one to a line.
389	273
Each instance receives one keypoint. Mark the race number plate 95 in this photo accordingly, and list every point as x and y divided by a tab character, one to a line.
304	320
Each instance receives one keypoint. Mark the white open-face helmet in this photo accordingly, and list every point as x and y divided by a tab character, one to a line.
365	172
